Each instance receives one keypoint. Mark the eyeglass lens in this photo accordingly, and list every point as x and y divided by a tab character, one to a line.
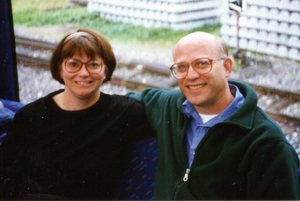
201	66
75	65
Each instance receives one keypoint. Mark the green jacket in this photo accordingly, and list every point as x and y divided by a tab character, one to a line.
244	157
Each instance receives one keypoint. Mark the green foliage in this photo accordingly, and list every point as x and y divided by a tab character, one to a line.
61	12
38	4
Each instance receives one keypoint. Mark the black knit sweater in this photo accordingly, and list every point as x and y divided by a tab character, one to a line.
69	154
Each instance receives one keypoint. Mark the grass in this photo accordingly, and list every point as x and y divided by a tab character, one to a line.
37	13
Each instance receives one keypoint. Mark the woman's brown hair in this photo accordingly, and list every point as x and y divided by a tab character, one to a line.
84	41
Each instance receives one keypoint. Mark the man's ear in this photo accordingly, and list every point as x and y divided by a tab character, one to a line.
228	66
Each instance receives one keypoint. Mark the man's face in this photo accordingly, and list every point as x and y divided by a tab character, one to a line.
204	91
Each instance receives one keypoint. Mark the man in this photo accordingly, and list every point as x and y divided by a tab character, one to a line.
214	141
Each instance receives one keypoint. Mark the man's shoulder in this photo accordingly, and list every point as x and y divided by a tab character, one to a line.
163	93
264	120
121	100
124	103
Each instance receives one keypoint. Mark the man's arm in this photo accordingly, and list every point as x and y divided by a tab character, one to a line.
156	102
274	172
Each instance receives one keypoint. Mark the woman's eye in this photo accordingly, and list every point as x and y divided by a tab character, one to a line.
93	65
73	64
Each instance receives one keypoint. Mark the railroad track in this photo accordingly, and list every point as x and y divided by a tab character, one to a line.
133	74
33	52
278	103
137	75
36	44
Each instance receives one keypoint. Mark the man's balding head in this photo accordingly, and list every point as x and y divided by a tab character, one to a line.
203	39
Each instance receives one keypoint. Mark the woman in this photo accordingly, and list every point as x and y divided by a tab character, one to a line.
70	143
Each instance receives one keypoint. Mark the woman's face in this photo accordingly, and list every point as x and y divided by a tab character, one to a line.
82	76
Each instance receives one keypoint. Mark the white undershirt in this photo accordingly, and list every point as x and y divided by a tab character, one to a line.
207	117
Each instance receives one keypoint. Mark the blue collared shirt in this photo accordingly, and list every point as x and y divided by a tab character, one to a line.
197	129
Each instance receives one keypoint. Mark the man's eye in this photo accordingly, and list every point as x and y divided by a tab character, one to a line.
201	64
181	67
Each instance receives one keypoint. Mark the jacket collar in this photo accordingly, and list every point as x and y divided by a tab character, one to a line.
245	114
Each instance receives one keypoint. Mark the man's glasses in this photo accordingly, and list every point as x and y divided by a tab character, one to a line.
73	66
200	65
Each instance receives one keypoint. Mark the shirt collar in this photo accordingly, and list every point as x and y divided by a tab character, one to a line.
189	110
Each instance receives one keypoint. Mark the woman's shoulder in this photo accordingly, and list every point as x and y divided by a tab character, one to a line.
38	105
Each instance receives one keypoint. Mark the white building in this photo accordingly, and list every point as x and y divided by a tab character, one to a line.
266	26
174	14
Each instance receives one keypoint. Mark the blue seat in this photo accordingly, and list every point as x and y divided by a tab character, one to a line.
137	182
8	109
12	105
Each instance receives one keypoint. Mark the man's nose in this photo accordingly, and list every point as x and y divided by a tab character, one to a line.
191	73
